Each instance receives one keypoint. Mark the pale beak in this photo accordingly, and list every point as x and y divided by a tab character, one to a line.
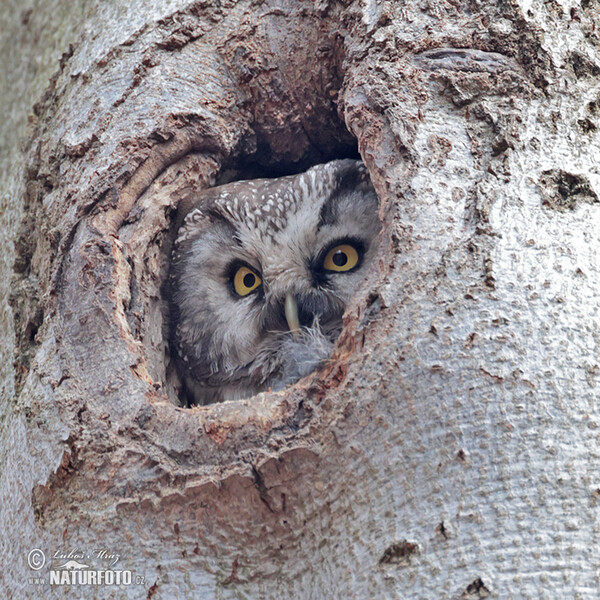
291	314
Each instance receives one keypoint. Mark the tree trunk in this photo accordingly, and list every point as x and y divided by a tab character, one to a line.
447	450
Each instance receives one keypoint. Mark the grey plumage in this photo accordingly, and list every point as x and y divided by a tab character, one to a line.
301	245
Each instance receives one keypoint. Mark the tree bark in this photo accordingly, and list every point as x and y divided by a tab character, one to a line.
448	448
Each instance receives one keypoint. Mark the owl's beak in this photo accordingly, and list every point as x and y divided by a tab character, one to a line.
291	314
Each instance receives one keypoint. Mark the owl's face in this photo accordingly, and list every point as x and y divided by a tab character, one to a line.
261	274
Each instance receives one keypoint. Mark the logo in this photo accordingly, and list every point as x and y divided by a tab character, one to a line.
36	559
81	567
73	564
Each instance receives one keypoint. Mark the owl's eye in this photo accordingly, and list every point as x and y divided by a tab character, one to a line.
245	281
343	257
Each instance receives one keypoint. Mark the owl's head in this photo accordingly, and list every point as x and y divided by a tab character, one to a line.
261	274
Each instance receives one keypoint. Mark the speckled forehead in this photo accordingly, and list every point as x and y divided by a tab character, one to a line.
264	208
267	209
269	204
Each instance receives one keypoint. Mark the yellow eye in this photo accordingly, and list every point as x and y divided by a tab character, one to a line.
245	281
341	258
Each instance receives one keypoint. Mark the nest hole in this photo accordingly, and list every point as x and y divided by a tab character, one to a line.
261	164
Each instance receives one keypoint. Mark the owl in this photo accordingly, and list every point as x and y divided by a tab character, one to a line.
261	273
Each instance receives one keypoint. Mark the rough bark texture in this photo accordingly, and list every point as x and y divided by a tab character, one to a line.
450	448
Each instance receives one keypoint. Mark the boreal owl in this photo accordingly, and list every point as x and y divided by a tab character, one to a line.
261	273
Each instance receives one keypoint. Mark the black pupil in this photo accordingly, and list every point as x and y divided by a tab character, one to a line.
340	258
249	279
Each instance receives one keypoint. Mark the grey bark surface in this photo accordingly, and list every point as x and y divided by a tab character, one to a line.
450	447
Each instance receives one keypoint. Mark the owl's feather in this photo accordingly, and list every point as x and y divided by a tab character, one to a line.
301	355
